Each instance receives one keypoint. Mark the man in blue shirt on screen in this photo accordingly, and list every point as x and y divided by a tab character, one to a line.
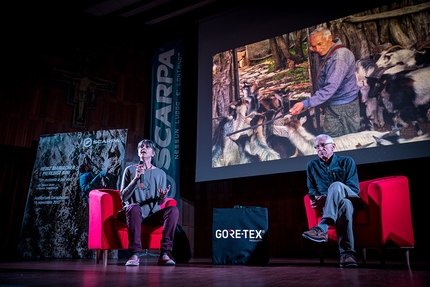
337	85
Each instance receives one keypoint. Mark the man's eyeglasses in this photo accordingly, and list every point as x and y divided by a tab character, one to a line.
322	145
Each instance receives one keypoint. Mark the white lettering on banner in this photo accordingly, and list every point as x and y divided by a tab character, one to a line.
48	200
107	141
253	235
56	170
162	114
88	141
165	59
166	91
176	144
178	113
163	134
163	158
162	70
179	74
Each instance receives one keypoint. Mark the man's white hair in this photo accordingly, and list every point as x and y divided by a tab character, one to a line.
325	32
328	138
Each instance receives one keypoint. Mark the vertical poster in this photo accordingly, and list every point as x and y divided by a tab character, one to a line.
166	96
55	223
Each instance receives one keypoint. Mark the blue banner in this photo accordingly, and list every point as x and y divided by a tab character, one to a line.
166	95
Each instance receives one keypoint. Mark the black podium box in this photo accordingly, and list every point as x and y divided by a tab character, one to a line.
240	236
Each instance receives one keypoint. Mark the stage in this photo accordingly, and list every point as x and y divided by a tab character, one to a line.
201	272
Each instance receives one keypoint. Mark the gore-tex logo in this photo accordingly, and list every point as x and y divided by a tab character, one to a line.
253	235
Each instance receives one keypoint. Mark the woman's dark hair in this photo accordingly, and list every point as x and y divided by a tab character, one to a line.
147	143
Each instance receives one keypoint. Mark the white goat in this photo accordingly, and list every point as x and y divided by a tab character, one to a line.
382	141
304	141
258	146
229	149
374	112
391	58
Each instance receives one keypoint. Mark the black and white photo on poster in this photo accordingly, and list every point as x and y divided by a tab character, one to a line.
55	223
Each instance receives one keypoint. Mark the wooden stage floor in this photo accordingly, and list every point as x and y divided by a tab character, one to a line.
201	272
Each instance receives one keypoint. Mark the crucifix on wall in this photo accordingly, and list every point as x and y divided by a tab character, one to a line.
82	93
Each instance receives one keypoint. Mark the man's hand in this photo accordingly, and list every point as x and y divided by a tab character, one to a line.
318	202
297	108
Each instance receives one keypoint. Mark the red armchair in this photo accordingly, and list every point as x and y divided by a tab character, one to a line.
382	218
106	232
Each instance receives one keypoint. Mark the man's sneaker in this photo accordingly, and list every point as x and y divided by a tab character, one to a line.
133	261
347	260
316	234
166	258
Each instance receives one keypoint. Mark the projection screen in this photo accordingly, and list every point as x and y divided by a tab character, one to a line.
247	82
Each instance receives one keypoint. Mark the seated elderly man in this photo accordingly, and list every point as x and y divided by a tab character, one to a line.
332	180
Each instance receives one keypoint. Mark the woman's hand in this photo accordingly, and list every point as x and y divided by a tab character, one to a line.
140	169
163	193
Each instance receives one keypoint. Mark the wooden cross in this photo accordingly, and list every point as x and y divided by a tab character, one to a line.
82	93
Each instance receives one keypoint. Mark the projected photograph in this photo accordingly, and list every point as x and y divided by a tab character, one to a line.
370	92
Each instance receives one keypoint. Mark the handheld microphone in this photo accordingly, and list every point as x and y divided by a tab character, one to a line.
141	175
